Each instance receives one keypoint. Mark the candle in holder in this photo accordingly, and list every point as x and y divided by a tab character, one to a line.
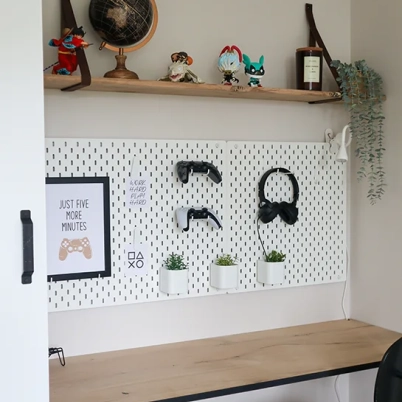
309	68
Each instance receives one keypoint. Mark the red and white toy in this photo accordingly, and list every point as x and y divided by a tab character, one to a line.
229	64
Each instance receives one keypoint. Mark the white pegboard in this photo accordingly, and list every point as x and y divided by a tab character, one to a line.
315	245
155	226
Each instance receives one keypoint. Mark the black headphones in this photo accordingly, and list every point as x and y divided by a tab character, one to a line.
268	210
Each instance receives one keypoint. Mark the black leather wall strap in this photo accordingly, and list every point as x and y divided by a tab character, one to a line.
315	37
68	20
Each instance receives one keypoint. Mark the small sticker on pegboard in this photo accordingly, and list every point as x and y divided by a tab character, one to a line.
136	260
138	191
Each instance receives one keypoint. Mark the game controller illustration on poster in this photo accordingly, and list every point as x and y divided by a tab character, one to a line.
78	227
75	246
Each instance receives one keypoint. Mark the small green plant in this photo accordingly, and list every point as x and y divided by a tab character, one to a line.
362	93
275	256
226	260
175	262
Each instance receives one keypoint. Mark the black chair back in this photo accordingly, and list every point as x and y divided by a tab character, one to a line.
388	385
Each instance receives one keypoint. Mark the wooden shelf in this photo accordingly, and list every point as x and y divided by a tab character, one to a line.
191	371
186	89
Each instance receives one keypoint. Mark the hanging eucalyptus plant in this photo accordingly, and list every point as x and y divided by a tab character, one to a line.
362	93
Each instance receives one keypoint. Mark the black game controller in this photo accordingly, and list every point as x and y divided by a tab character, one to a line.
184	168
185	215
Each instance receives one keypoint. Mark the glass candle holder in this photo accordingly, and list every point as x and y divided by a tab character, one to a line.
309	68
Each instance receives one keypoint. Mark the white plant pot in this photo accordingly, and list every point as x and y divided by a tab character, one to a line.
270	273
173	282
224	277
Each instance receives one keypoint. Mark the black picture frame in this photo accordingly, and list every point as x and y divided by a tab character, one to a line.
107	271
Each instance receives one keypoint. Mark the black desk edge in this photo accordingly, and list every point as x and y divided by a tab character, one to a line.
270	384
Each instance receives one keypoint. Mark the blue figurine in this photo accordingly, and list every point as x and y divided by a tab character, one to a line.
254	70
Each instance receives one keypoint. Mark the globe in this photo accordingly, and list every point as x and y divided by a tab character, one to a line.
123	26
121	22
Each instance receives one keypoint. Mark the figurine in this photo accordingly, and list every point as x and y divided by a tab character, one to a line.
254	70
179	70
229	64
67	57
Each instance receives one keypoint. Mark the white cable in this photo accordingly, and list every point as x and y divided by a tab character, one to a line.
132	166
336	388
346	284
131	175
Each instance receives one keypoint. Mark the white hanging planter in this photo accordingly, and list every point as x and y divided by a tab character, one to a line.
270	273
224	277
173	282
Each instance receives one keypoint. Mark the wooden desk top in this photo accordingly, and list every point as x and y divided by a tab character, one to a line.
190	371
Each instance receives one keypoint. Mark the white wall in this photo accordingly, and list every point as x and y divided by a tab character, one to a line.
376	236
275	29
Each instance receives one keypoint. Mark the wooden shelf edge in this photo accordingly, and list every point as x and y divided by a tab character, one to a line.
187	89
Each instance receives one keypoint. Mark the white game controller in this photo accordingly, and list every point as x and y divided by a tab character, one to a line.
185	215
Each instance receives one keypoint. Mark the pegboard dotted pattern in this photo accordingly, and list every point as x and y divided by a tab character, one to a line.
316	245
156	225
315	248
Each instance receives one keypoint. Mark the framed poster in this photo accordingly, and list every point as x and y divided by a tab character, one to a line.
78	228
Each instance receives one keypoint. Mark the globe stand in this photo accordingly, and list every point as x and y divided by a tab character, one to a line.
121	71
